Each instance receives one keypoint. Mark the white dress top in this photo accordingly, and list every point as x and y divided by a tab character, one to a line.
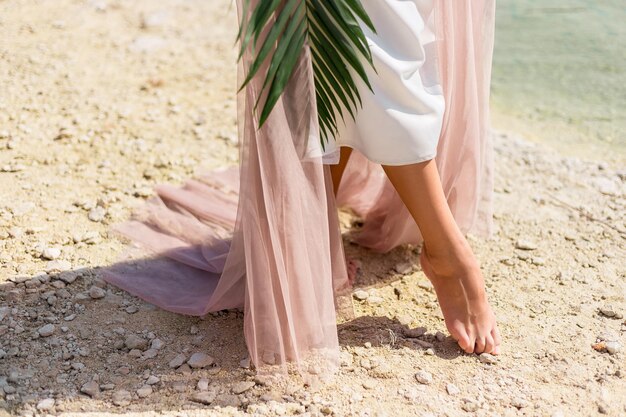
400	122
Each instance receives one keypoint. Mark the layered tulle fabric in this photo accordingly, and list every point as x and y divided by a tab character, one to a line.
265	238
464	151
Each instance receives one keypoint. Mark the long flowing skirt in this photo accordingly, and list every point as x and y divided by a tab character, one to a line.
265	238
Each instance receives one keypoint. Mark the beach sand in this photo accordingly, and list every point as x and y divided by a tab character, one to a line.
101	100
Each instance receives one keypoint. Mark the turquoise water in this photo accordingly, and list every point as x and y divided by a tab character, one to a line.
559	74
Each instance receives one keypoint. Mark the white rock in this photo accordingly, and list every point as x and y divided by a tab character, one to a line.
156	344
46	330
525	244
469	406
245	363
144	391
135	342
361	295
200	360
150	354
404	268
96	292
45	404
613	347
488	358
90	388
423	377
375	300
606	186
97	214
4	312
203	384
519	402
58	266
177	361
204	397
452	389
152	379
51	253
121	398
608	311
241	387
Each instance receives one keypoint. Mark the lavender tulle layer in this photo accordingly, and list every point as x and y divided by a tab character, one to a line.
264	237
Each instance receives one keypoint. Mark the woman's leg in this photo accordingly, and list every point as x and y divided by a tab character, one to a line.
336	171
447	258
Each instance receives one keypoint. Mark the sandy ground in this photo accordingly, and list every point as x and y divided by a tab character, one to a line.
100	100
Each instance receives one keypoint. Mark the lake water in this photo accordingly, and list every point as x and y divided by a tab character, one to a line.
559	74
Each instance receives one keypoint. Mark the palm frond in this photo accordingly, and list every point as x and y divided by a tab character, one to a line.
332	30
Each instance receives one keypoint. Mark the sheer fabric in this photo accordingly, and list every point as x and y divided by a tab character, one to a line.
464	152
280	257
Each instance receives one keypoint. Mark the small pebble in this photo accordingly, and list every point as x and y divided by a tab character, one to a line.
152	379
245	363
404	268
423	377
469	406
524	244
452	389
200	360
90	388
97	214
241	387
414	333
204	397
612	347
45	404
487	358
46	330
96	292
203	384
375	300
361	295
144	391
608	311
58	266
121	398
150	354
156	344
519	402
177	361
135	342
51	253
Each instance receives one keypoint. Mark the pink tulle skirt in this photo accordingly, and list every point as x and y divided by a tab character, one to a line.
265	237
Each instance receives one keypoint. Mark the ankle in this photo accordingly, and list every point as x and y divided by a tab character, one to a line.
451	260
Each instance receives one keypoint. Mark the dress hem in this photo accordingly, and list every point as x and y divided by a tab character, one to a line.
425	158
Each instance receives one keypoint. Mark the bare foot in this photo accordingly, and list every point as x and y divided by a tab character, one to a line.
460	290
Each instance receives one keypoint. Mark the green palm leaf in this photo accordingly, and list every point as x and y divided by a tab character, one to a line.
331	28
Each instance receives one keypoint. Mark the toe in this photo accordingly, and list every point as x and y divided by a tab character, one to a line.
468	343
495	333
464	341
489	344
480	345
